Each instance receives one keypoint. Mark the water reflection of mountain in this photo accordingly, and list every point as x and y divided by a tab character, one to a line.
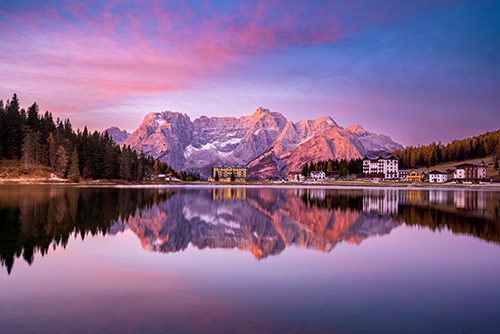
263	221
266	222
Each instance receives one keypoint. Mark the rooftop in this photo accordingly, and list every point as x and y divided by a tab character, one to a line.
232	166
470	164
381	156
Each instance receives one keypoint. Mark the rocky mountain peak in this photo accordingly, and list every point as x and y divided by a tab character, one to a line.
260	111
264	136
356	128
118	135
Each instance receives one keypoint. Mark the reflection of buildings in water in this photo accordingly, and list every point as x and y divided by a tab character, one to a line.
319	194
260	220
438	196
380	201
413	196
470	200
229	194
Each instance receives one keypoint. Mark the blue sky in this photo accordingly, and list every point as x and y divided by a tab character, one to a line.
418	71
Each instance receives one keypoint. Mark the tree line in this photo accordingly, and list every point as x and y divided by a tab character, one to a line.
480	146
36	139
344	166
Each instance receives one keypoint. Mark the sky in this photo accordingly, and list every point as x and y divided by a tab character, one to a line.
419	71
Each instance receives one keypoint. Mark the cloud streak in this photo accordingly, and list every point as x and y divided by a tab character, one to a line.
86	56
117	48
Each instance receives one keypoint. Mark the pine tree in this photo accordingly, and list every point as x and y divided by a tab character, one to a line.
305	171
481	149
216	177
344	170
110	162
74	168
14	119
44	155
460	154
125	164
52	151
496	163
329	166
433	160
62	161
37	138
33	121
28	148
156	168
232	177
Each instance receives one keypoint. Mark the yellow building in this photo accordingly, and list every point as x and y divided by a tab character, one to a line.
224	172
415	176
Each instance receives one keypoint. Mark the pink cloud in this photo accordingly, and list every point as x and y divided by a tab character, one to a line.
84	53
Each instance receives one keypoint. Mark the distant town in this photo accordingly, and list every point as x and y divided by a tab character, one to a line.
380	168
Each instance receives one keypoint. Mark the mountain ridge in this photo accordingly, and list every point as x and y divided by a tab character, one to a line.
270	144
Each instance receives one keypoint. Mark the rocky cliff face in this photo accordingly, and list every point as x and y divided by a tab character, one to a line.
119	136
266	141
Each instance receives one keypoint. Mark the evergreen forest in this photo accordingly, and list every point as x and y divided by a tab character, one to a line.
344	166
38	140
480	146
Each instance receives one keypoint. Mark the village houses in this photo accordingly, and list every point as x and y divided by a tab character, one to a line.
438	176
295	177
318	175
415	176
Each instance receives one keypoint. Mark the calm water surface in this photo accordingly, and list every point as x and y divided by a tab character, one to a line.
248	260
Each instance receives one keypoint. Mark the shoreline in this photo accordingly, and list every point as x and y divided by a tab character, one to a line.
330	184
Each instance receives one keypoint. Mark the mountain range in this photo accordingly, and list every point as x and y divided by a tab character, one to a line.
265	141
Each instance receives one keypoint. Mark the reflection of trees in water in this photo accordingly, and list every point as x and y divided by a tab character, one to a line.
456	222
33	219
449	216
333	200
47	217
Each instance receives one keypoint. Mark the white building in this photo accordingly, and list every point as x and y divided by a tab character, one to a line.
387	165
438	176
470	172
318	175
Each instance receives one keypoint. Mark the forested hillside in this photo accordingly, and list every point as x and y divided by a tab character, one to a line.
36	139
344	166
480	146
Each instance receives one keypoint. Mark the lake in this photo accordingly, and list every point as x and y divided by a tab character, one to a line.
248	260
